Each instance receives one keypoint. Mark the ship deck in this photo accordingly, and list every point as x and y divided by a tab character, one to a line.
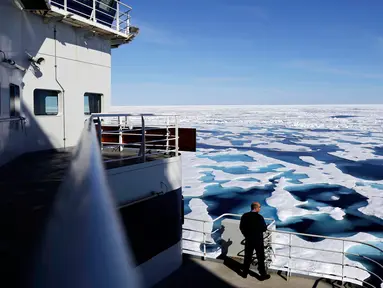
195	272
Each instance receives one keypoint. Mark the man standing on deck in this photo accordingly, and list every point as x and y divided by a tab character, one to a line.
252	227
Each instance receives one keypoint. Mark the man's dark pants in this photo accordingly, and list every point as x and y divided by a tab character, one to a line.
258	246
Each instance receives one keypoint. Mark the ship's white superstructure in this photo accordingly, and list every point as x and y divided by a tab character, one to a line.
74	67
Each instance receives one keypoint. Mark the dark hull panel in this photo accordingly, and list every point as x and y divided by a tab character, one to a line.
154	225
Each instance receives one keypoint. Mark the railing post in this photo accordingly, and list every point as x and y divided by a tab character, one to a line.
176	132
118	16
128	24
289	265
143	146
94	11
65	5
204	240
167	135
121	148
343	262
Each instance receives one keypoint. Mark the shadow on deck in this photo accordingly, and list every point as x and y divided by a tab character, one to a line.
198	273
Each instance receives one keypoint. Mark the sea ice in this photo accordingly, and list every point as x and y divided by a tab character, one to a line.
283	147
310	138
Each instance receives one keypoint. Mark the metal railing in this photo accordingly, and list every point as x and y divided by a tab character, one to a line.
343	277
138	125
115	17
206	233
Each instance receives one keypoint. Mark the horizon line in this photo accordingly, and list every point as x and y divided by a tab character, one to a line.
247	105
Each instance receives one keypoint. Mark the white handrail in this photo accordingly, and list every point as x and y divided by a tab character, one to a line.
293	233
221	216
204	233
290	245
327	237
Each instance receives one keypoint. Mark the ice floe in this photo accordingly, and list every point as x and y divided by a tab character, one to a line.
292	147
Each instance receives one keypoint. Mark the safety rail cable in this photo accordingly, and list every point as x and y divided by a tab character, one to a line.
144	147
290	245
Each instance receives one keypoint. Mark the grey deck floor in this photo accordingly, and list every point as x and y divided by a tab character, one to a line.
198	273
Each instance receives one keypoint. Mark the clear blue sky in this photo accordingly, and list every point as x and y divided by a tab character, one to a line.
251	52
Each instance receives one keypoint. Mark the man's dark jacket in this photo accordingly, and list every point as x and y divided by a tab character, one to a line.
252	226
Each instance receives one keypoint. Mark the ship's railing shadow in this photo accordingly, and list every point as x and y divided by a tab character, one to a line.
290	268
193	274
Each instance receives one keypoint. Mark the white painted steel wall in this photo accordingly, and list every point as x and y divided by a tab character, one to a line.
83	65
135	182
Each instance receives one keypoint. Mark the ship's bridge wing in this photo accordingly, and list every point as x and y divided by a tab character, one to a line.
107	18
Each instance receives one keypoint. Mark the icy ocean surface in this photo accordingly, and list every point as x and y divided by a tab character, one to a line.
314	169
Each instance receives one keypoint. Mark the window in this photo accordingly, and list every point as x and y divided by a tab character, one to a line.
46	102
14	100
92	103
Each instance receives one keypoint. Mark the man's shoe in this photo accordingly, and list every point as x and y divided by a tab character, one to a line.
265	277
244	275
